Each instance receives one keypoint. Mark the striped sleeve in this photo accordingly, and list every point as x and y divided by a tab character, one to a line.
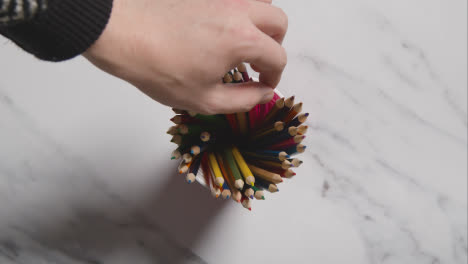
14	11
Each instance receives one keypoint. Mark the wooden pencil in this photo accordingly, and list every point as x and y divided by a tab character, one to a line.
274	128
286	173
178	111
281	155
249	192
191	129
246	173
231	164
266	175
287	143
299	148
228	78
219	179
173	130
288	104
226	191
270	117
246	203
184	167
205	136
269	186
302	129
187	157
259	194
298	120
295	162
252	156
207	175
245	75
273	164
177	153
277	137
295	110
183	119
228	177
237	76
193	170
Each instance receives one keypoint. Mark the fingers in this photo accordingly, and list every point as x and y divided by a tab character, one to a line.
269	59
269	19
236	98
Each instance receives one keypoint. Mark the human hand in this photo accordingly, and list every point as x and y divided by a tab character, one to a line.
177	51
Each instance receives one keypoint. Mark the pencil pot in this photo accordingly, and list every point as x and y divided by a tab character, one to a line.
244	155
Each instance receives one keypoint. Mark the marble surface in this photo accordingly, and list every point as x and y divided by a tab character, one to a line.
85	175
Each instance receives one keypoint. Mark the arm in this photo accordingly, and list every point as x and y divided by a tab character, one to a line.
14	11
54	30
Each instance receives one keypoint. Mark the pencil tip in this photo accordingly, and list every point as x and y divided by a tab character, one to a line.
263	197
227	197
172	158
250	209
251	196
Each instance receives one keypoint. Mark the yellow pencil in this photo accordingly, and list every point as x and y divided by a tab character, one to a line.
216	170
248	176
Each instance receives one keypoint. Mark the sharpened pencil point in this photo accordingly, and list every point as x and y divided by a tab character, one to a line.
250	209
189	181
251	197
263	197
172	158
227	197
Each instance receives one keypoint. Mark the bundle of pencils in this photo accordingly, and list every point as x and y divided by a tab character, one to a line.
242	155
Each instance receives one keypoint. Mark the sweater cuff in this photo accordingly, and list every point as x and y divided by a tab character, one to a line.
66	29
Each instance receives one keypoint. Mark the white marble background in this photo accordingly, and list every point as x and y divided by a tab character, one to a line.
85	175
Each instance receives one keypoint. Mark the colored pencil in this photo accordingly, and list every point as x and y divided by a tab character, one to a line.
266	175
231	164
187	157
219	179
205	136
178	111
274	128
287	143
288	104
269	186
246	203
302	129
173	130
295	110
226	191
252	156
259	194
299	148
246	173
245	75
298	120
249	192
270	117
193	170
295	162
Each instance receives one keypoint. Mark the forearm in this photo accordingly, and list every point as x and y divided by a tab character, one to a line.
54	30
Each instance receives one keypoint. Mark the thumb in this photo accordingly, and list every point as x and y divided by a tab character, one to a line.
239	97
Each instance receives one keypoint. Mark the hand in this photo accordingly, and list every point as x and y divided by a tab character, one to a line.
177	51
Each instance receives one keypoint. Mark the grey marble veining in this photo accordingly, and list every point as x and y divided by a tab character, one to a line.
85	175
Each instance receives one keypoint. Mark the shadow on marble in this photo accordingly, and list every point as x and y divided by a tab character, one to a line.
161	228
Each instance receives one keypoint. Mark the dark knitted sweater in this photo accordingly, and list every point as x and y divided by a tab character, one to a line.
54	30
